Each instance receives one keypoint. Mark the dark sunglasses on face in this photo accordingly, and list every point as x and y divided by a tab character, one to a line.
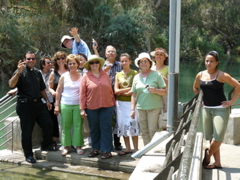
59	58
95	62
30	59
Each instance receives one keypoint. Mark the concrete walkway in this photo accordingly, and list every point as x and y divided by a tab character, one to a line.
230	158
119	167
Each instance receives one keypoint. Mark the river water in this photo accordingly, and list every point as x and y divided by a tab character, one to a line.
15	172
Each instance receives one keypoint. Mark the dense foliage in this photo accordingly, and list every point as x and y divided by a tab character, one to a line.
131	26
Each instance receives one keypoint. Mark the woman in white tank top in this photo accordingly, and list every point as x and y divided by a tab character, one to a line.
67	96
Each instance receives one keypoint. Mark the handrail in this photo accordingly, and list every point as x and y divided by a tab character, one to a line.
6	103
181	161
184	169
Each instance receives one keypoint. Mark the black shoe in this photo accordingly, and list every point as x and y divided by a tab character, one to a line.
49	148
118	148
30	159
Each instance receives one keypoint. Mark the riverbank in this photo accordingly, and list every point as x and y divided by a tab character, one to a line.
117	167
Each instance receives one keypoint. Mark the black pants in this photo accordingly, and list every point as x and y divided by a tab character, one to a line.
29	113
55	121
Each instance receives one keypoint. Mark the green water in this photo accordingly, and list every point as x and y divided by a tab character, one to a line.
15	172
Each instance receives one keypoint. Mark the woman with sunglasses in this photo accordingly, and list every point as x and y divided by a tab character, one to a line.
97	104
67	102
60	67
216	108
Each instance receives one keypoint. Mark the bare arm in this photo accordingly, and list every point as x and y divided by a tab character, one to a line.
133	105
95	46
58	95
235	84
196	84
161	91
51	84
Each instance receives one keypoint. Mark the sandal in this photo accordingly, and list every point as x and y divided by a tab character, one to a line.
64	152
204	162
124	153
80	151
106	155
93	153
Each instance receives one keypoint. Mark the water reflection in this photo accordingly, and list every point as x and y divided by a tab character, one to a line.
15	172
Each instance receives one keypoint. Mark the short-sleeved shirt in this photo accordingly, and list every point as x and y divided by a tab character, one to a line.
30	84
96	92
164	71
80	47
125	81
147	101
113	71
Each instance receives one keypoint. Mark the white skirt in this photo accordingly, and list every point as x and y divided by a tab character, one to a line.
126	126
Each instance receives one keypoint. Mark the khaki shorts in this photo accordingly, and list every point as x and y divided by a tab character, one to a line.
215	122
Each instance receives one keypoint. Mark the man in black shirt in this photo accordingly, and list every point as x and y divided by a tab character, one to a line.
30	108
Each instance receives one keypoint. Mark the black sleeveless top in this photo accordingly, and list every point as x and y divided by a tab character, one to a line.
213	92
56	79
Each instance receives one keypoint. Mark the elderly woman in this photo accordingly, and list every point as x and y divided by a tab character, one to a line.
216	109
67	97
97	103
147	88
160	57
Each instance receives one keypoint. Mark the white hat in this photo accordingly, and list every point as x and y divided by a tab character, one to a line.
159	50
64	38
141	56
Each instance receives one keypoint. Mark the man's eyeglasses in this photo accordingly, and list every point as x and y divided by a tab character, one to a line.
30	59
49	63
95	62
59	58
111	51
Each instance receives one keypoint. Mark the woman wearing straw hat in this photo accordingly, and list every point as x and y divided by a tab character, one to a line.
97	104
160	57
147	88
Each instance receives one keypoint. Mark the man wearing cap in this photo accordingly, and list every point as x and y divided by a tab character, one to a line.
30	108
75	43
112	66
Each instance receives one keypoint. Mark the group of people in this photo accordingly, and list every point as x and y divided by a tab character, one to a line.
108	99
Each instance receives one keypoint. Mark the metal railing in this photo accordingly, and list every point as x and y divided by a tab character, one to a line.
6	103
175	159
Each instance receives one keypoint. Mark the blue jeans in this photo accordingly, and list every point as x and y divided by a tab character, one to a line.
100	124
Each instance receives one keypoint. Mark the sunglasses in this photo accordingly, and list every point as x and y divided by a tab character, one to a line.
59	58
30	59
95	62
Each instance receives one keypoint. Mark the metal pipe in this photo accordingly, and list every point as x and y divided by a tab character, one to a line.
174	40
151	145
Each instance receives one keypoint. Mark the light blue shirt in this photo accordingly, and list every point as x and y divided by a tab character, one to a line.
80	47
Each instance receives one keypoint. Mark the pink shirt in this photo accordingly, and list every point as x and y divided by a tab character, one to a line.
96	92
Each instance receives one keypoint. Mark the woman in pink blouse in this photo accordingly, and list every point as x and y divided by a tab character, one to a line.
97	104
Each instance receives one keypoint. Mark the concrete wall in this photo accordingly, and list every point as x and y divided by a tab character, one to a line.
232	135
16	143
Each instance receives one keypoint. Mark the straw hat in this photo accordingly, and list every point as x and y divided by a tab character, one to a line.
92	58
